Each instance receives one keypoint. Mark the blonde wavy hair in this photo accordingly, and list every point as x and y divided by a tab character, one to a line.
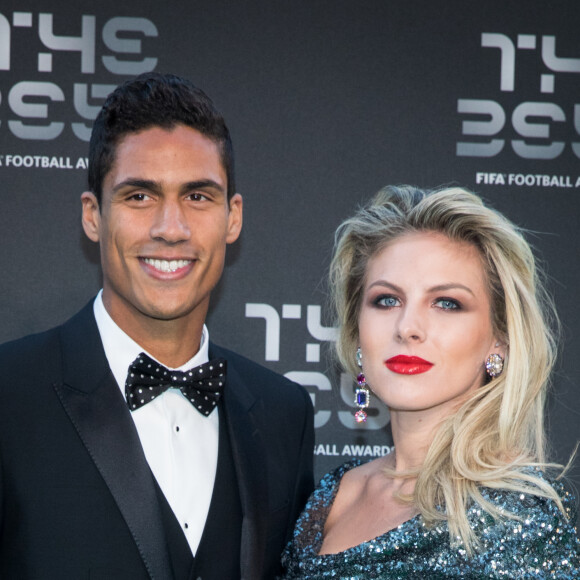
500	429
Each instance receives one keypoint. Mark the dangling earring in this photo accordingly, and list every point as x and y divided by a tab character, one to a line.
494	365
362	395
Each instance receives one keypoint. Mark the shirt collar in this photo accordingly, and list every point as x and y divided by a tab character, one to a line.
121	350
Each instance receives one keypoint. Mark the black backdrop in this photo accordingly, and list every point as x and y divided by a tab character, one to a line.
327	102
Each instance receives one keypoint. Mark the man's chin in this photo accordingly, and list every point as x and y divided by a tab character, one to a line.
166	313
143	308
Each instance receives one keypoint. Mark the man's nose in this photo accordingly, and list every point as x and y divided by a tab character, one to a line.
170	223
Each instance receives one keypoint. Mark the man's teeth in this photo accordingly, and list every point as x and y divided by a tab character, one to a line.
167	265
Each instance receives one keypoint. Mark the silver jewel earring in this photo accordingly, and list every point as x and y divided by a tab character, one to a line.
494	365
362	394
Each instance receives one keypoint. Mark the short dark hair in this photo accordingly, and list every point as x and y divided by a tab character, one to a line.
155	100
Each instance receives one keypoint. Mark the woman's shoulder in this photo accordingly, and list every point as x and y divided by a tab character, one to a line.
529	530
528	494
327	488
310	525
337	473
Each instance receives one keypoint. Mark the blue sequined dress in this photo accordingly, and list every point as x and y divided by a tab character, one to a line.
542	544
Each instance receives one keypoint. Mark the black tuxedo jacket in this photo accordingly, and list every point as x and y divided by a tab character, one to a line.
77	497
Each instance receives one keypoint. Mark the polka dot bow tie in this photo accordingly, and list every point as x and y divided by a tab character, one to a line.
202	385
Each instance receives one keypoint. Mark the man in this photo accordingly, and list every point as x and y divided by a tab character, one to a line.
112	463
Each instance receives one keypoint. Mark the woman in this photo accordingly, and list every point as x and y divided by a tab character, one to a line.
441	312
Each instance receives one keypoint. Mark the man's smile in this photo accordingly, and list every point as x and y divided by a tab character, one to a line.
167	265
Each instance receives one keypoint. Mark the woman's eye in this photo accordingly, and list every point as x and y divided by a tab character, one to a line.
447	304
387	301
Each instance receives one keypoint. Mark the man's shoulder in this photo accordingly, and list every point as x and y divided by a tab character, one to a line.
25	364
25	353
29	347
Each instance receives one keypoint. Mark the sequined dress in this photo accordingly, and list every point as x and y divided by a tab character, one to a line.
540	545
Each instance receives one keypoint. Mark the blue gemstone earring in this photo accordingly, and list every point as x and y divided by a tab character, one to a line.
362	394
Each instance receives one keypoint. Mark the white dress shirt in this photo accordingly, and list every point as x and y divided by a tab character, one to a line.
180	444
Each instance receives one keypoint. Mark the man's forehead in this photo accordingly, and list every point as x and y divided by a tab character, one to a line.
157	153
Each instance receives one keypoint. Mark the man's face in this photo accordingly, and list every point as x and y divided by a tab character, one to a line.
163	226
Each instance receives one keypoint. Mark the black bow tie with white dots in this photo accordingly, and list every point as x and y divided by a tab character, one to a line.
202	385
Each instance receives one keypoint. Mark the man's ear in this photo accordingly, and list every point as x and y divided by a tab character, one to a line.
91	216
235	218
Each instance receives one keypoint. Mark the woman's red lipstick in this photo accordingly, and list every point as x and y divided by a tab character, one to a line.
408	365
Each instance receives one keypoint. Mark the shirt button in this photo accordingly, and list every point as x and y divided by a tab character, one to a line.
186	525
177	427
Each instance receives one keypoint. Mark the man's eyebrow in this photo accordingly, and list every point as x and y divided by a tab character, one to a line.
138	184
203	184
152	185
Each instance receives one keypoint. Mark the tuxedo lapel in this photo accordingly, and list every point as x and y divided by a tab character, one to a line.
97	409
241	409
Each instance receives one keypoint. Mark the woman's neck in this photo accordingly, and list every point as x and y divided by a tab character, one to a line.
413	433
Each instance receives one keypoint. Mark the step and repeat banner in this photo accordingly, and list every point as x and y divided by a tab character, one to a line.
327	102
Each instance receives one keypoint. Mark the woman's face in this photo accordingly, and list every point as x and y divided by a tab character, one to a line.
425	323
